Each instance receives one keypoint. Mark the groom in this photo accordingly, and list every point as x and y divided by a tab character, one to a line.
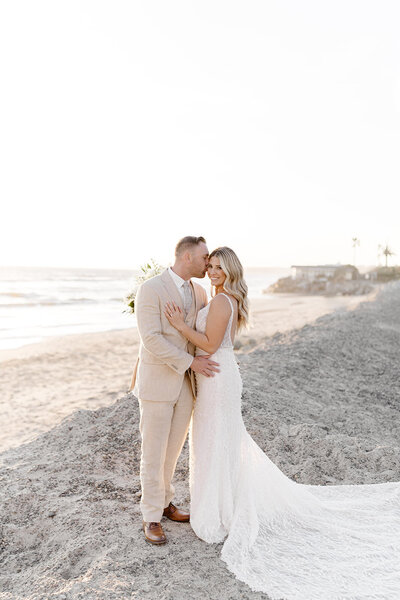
164	382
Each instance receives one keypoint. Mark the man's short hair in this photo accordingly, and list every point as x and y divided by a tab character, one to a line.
187	242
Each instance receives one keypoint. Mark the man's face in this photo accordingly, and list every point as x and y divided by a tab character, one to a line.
199	260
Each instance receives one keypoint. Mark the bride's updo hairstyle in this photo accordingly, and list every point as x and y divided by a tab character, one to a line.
234	284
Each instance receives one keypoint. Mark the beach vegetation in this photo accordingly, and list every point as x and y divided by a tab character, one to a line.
386	252
385	274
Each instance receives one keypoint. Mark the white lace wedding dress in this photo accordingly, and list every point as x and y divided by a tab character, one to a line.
291	541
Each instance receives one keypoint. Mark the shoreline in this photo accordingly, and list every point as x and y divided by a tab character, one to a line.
45	382
322	304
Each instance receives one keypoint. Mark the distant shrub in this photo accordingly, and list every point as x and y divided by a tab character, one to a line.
385	274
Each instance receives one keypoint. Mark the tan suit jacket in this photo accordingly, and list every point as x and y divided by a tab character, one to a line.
164	354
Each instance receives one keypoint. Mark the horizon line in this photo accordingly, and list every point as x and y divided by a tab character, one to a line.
138	267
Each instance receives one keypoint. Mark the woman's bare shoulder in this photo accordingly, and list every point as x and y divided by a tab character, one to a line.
233	299
219	302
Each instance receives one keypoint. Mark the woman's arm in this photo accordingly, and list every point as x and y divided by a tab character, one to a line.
217	321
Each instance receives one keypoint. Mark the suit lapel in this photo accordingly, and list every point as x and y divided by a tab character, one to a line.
177	298
171	287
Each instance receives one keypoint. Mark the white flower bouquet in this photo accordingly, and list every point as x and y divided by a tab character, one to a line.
149	270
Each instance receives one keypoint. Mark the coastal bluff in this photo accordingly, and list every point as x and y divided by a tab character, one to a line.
287	285
322	401
326	280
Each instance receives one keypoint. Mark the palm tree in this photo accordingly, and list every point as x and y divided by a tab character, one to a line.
386	251
356	242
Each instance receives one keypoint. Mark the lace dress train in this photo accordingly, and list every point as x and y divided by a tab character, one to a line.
289	540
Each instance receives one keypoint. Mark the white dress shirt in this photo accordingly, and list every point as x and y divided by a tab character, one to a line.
178	282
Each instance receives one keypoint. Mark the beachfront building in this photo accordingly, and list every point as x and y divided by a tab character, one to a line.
324	272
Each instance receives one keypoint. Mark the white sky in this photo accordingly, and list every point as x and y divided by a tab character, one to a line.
272	127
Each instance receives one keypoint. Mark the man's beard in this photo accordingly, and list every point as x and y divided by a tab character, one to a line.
200	275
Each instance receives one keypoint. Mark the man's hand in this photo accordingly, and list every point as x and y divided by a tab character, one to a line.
205	366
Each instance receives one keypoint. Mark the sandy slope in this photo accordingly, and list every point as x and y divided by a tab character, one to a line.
322	401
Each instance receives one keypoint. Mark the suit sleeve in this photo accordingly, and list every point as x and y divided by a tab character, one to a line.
148	319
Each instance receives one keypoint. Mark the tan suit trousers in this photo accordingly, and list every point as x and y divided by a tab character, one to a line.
163	427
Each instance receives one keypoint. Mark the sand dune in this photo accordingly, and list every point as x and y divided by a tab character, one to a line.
322	401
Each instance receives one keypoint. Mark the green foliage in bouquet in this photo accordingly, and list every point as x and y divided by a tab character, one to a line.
149	270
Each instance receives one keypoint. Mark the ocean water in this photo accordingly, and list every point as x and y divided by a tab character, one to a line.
41	302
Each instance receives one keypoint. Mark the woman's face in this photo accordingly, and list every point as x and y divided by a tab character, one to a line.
215	272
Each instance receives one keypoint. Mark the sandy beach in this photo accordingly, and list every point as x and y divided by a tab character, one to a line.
321	398
43	383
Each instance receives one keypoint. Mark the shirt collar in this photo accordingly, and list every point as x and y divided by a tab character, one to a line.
176	278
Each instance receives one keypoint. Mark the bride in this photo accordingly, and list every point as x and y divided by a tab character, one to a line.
289	540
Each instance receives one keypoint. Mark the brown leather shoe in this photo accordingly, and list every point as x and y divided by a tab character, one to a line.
153	532
176	514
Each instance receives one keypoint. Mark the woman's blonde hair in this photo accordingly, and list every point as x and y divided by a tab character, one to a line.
234	284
